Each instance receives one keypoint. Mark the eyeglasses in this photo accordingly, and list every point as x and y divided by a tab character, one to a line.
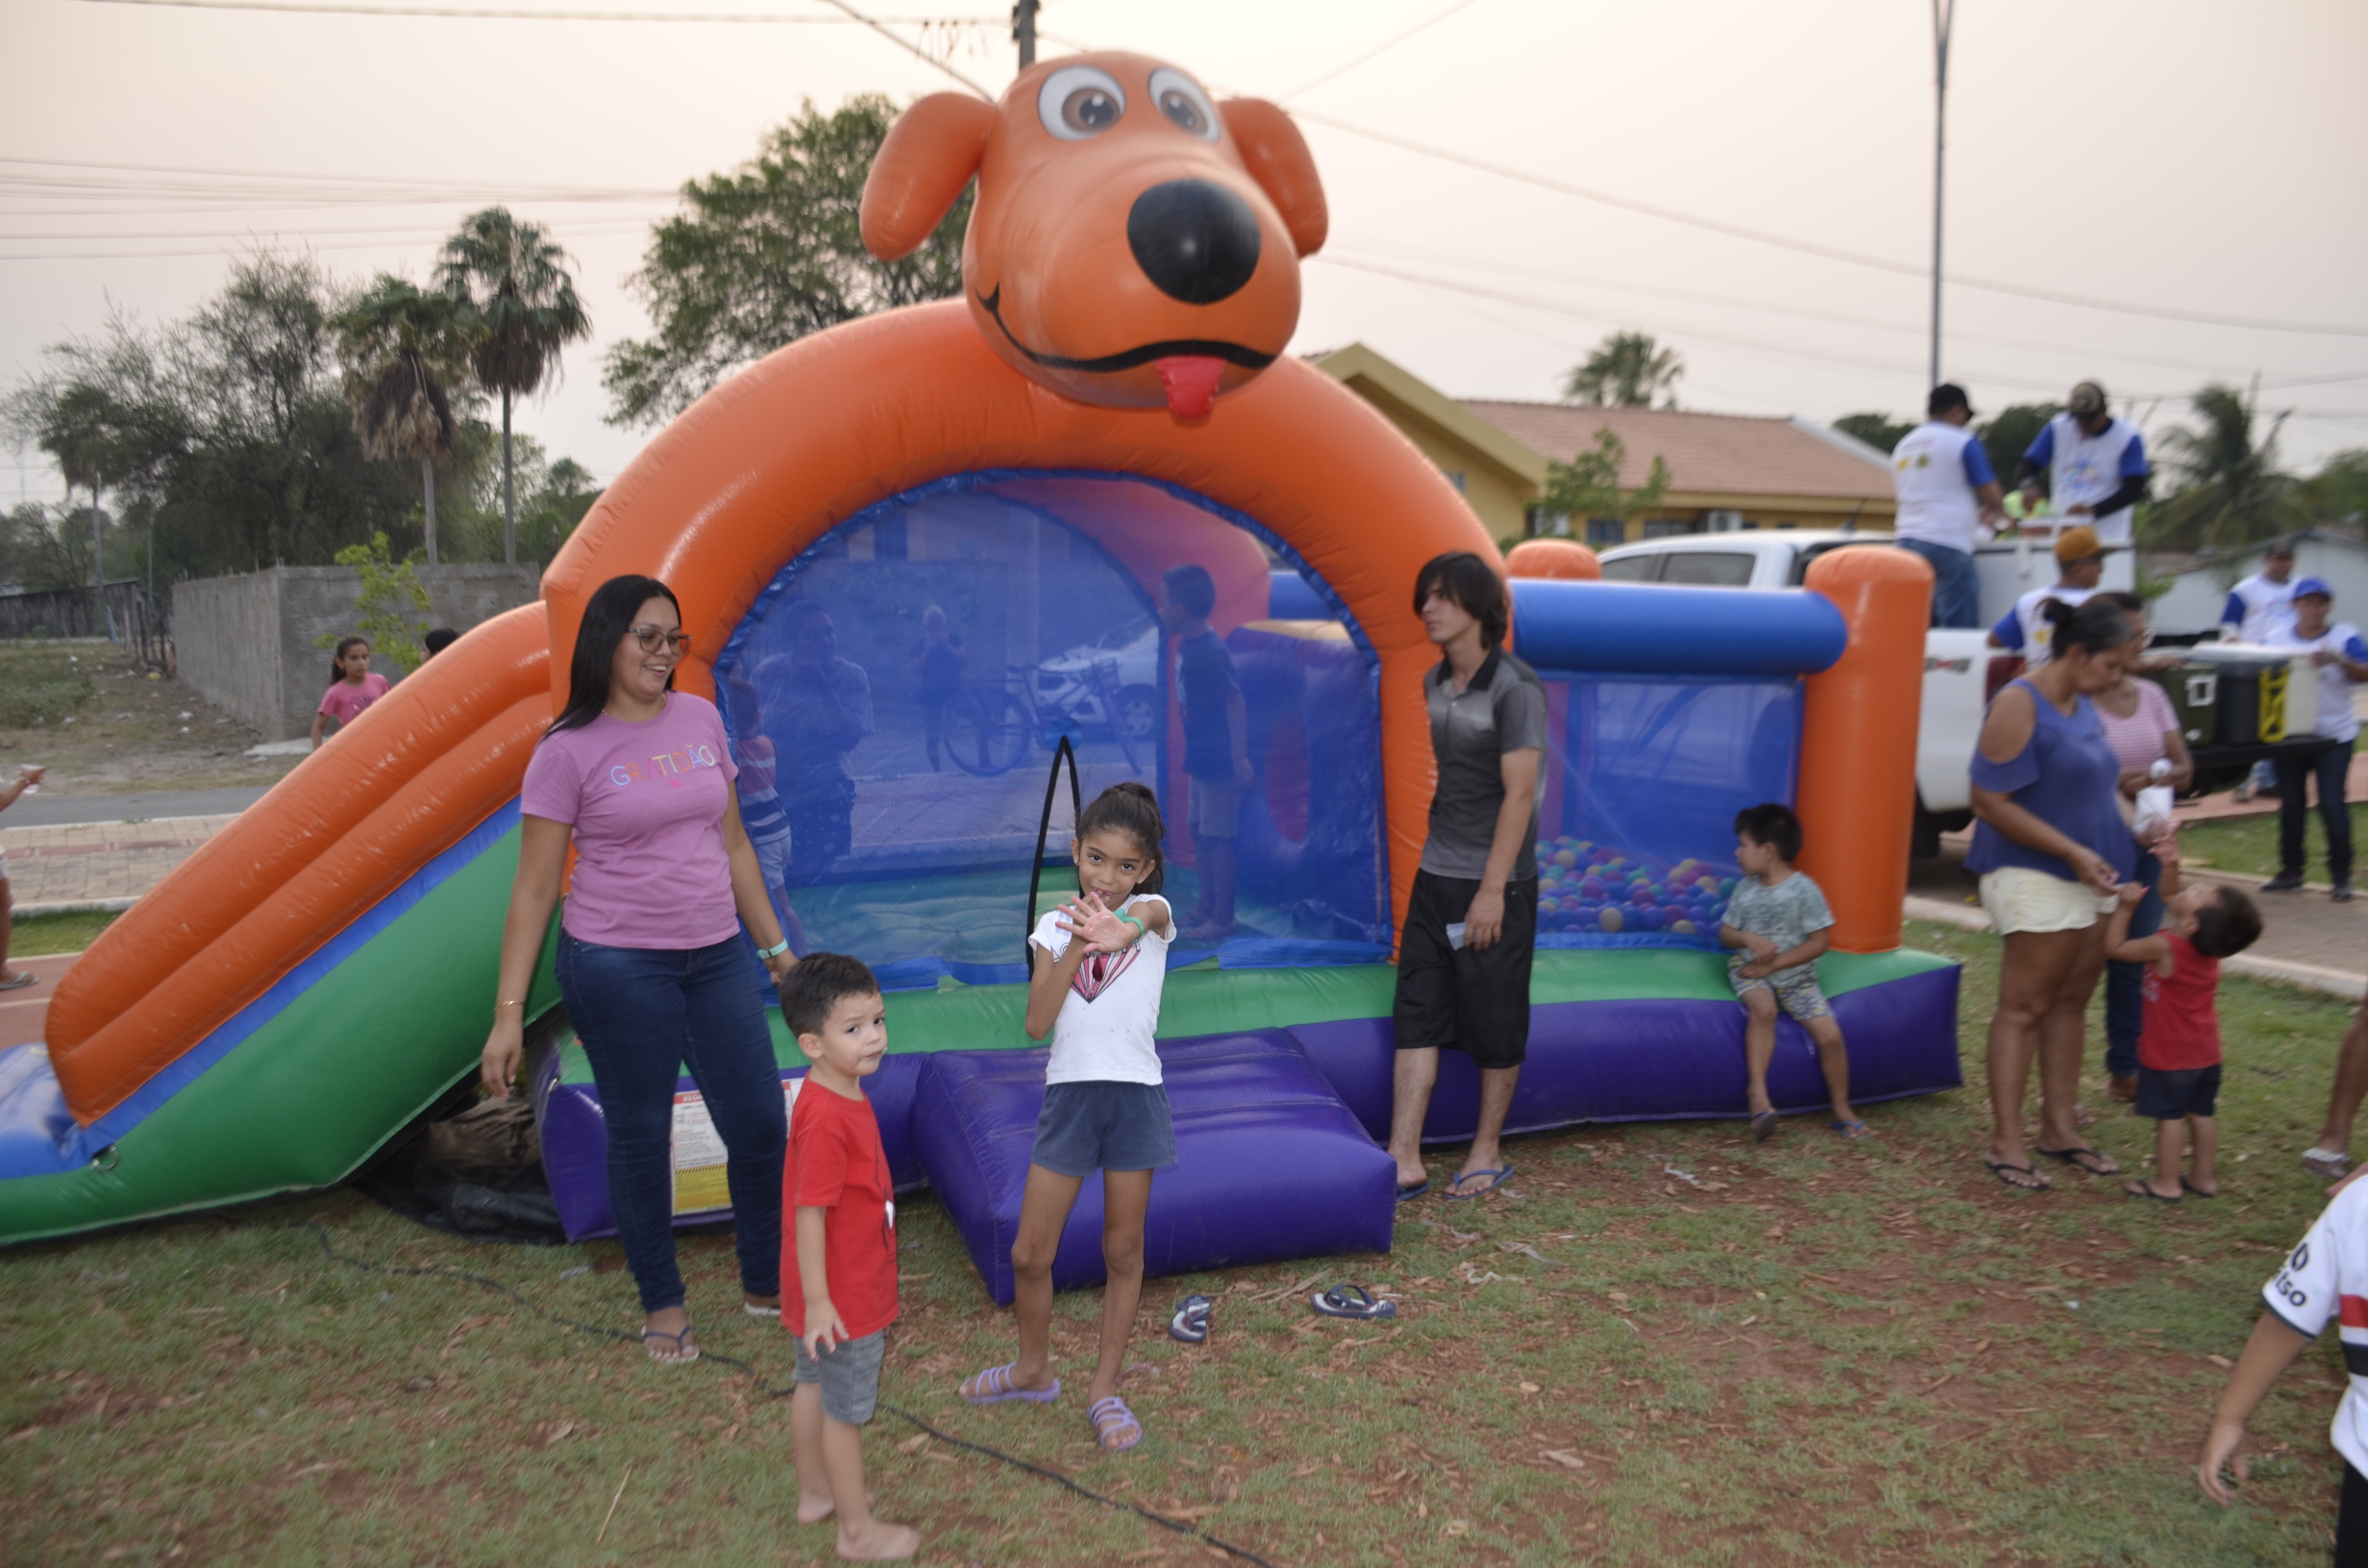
650	637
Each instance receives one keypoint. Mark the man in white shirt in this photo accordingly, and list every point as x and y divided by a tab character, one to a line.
2260	609
2080	565
2263	603
2094	465
1947	494
2342	660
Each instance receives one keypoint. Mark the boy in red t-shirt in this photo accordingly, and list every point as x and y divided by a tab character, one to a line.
839	1258
2178	1042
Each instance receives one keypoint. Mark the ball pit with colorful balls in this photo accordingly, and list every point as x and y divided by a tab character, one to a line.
1590	888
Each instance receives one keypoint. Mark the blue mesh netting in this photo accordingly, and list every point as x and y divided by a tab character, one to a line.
895	694
1644	776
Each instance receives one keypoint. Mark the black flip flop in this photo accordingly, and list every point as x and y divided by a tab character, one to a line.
1763	1123
2038	1183
1351	1301
2143	1189
2189	1188
2072	1157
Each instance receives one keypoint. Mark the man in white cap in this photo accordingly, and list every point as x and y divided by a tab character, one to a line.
2093	465
1947	492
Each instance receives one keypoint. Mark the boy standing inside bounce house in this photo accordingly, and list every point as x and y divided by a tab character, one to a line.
1463	957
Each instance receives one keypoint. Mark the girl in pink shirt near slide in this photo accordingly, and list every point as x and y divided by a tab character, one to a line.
351	687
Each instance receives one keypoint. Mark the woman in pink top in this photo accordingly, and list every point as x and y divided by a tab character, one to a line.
2142	728
351	687
651	964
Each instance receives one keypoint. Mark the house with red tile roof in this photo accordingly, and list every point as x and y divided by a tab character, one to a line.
1726	472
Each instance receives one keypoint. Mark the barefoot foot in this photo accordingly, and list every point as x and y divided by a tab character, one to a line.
882	1542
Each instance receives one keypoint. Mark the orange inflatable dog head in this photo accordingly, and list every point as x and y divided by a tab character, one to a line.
1134	242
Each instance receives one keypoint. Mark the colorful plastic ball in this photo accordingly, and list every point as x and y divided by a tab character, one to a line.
1591	886
1566	857
1610	919
1684	929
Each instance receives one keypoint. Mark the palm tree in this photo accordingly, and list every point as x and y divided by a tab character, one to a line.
2230	490
94	438
514	281
1627	370
400	344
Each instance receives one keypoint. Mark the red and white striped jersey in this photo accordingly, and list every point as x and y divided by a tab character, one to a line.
2326	1277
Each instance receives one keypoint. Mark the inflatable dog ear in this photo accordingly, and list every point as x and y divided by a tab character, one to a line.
931	154
1278	159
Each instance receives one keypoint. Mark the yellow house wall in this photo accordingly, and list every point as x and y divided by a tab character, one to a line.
1499	500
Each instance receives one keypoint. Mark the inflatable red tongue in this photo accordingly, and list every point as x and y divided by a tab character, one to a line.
1190	380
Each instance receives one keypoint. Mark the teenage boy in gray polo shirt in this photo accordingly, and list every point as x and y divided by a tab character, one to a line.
1463	956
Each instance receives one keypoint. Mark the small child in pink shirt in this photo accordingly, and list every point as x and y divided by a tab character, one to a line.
351	687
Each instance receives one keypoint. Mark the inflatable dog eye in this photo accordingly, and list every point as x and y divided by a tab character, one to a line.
1134	244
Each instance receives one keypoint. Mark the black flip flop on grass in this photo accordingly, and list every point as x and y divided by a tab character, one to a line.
2103	1166
2006	1175
2142	1188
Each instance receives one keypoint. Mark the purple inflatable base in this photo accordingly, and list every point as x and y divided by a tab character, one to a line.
1658	1059
1269	1164
574	1139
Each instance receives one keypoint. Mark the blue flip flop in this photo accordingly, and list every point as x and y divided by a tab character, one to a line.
1496	1179
1411	1190
1191	1323
1351	1301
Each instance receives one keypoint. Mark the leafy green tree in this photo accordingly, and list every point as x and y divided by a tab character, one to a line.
2338	492
388	587
2230	490
515	283
2007	434
1588	486
401	346
767	254
1628	370
1879	431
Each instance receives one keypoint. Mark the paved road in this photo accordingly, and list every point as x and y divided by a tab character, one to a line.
46	810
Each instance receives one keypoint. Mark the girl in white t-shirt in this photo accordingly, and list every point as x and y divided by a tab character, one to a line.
1098	964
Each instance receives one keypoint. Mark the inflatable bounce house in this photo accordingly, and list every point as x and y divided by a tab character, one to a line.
918	553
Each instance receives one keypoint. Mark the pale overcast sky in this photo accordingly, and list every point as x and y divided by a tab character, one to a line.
2187	157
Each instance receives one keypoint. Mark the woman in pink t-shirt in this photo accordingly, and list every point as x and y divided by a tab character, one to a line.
651	964
351	687
2142	728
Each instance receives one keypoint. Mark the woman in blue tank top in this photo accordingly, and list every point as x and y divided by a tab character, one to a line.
2050	846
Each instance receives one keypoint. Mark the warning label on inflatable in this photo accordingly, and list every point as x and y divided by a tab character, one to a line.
700	1187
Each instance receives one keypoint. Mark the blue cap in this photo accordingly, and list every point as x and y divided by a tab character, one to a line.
2313	586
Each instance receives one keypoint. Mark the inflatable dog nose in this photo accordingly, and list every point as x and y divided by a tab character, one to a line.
1196	240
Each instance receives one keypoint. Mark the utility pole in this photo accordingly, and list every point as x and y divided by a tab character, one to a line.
1945	18
1024	31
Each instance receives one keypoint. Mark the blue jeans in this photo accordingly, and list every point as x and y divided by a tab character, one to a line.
2125	984
642	1014
1957	587
2331	768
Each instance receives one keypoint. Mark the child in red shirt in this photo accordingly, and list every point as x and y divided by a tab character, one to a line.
839	1258
2178	1042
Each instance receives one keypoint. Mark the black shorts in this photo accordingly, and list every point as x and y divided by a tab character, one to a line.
2169	1096
1459	997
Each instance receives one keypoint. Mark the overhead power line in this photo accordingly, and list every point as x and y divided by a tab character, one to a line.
1830	253
326	7
1377	50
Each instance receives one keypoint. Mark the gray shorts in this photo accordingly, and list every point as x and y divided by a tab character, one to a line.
849	1375
1103	1126
1795	992
1214	808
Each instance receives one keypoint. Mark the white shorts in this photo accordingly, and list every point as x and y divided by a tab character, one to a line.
2019	898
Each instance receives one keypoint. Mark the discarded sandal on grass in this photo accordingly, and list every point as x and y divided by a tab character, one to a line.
1351	1301
1191	1323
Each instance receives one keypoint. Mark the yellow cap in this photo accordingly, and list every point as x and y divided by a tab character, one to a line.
2076	544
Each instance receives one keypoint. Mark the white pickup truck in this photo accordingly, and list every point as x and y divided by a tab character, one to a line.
1961	670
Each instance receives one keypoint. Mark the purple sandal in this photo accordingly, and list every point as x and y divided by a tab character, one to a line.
1115	1426
994	1387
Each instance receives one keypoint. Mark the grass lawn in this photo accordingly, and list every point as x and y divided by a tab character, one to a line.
2249	843
33	935
1661	1346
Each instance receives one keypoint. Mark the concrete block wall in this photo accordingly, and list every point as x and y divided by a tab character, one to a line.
250	644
